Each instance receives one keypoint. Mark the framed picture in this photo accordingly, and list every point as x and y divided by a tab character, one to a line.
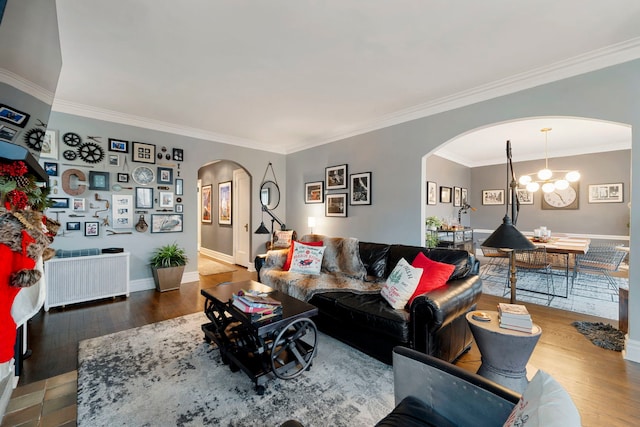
493	197
144	198
123	177
179	187
205	203
118	145
49	145
143	153
457	196
606	193
445	194
73	226
98	180
360	190
524	197
13	116
79	205
122	210
51	168
60	202
166	223
7	134
179	208
336	177
178	154
336	205
91	228
166	199
464	196
432	193
314	192
114	160
165	176
224	203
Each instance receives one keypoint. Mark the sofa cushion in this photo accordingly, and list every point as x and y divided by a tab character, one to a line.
401	284
367	311
544	403
412	412
434	275
307	259
287	263
457	257
374	258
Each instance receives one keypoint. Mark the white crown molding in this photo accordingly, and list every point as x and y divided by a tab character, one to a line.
62	106
26	86
581	64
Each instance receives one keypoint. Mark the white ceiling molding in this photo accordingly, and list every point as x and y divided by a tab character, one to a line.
26	86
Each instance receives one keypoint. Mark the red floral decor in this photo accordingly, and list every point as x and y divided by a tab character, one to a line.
18	189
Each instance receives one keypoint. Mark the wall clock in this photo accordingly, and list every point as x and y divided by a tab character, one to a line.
562	199
143	175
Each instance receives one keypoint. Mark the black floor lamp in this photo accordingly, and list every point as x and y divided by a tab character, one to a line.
507	238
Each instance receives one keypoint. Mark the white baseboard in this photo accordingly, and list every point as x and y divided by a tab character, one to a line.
217	255
190	276
142	284
631	350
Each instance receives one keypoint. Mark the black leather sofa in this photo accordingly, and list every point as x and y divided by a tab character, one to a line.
435	323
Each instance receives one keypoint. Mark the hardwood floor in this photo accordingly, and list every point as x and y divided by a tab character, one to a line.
604	387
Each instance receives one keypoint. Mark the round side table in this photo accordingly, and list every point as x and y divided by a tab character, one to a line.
504	352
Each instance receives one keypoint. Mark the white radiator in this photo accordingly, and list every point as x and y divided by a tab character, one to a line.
86	278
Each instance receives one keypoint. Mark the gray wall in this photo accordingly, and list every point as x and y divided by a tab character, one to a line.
395	154
446	173
197	153
217	237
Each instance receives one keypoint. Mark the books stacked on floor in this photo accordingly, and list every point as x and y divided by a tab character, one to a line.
257	307
515	317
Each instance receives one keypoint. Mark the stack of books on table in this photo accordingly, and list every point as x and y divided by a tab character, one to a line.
257	307
515	316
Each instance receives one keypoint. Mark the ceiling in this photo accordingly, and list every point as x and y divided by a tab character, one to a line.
287	75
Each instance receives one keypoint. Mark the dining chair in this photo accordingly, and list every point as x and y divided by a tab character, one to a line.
535	261
493	256
604	259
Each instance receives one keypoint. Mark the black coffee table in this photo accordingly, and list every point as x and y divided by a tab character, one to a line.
283	346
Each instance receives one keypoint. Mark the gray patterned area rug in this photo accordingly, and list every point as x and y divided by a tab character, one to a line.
164	374
589	294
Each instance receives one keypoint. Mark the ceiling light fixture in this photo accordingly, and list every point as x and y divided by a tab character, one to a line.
545	176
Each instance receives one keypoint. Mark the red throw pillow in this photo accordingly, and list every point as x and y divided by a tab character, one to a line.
434	275
287	263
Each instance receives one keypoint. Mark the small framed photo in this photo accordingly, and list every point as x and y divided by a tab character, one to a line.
73	226
524	197
118	145
179	187
79	205
224	203
13	116
457	196
51	168
166	223
464	194
336	177
179	208
166	199
165	176
606	193
178	154
7	134
314	192
114	160
445	194
360	190
432	193
123	177
142	152
144	198
122	210
98	180
336	205
493	197
60	202
49	145
205	203
91	228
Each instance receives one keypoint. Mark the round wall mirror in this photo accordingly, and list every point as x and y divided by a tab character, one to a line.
269	195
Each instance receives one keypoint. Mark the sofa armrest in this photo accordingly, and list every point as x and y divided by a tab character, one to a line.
444	387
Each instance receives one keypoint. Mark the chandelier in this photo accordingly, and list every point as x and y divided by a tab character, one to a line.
545	177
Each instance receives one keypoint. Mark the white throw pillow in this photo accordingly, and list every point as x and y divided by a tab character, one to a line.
401	284
544	403
307	259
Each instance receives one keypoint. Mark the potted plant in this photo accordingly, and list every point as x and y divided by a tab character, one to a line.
167	266
433	223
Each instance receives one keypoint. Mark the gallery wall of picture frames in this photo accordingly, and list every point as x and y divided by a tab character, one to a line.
106	186
457	196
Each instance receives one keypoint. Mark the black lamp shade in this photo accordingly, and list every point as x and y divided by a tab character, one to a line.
262	229
508	237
